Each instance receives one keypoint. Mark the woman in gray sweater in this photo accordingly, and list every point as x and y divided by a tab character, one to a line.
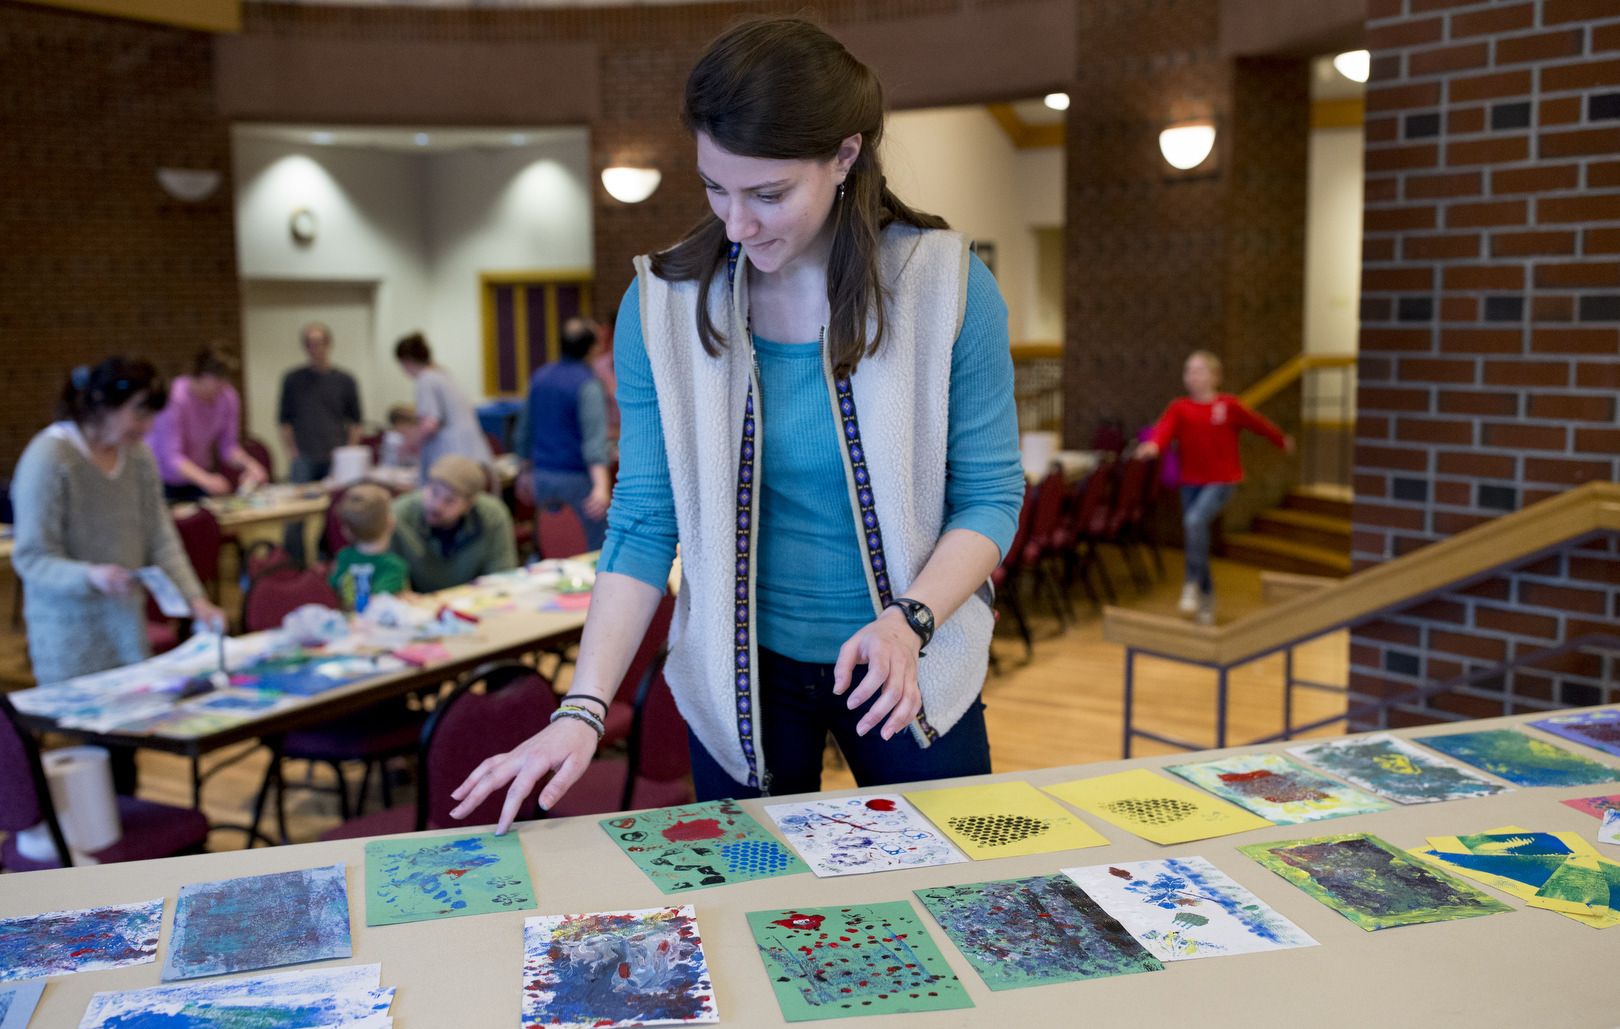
90	511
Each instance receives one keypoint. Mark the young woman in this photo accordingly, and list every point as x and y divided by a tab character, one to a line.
1205	425
90	511
816	398
197	433
445	421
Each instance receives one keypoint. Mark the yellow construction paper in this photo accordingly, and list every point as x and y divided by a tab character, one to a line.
1004	819
1583	851
1155	808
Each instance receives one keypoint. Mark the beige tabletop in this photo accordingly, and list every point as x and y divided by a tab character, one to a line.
1526	967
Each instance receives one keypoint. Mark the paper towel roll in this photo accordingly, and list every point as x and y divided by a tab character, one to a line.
82	790
350	464
35	844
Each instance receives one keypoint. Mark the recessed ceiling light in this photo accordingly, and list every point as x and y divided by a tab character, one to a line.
320	138
1355	65
1057	101
421	139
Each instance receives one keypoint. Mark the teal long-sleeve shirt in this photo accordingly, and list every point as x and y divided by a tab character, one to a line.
810	585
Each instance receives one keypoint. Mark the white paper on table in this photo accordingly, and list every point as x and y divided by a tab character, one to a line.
164	592
1609	831
347	981
872	832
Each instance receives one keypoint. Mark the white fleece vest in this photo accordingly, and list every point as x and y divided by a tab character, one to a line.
901	396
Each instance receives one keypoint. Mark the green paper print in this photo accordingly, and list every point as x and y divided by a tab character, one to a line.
1370	882
411	880
1030	932
1521	759
696	846
1277	789
1391	767
1590	887
838	962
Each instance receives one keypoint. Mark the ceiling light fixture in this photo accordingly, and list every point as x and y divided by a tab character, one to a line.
630	185
1355	65
1187	145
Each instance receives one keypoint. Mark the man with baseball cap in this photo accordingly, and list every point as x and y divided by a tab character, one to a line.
451	531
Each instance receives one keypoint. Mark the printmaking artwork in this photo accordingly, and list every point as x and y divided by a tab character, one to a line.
869	833
408	880
1556	871
331	998
259	921
1609	831
1393	768
1597	807
1182	908
870	959
1034	931
616	968
59	942
1372	883
1277	789
1521	759
1598	729
1004	819
695	846
18	1001
1155	808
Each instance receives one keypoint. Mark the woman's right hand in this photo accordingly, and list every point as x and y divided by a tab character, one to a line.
113	580
215	485
564	748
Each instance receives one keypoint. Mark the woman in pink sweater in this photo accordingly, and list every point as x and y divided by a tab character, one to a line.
197	435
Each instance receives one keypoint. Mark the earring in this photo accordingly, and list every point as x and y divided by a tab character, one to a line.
840	191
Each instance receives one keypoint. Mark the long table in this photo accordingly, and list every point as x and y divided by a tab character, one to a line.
1524	967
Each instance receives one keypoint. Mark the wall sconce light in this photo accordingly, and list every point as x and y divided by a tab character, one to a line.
630	185
1187	145
1355	65
191	185
1056	101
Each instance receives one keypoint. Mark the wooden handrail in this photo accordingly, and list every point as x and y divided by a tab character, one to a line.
1036	351
1500	543
1289	372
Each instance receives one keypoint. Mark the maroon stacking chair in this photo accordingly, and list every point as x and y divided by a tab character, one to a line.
151	830
256	449
520	501
491	710
621	709
1123	526
558	532
371	737
334	537
373	441
1087	522
1007	579
200	534
1045	540
655	772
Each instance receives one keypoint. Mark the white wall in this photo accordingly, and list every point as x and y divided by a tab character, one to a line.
957	162
419	228
1333	260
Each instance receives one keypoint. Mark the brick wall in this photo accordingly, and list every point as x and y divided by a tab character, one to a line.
1490	347
97	258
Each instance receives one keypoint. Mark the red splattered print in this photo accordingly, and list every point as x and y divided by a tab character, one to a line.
696	829
880	804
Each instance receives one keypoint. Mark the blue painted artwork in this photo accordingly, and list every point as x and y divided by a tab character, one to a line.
348	996
1599	729
410	880
59	942
616	968
260	921
17	1003
1521	759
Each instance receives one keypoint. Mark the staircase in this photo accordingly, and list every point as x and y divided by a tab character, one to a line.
1308	534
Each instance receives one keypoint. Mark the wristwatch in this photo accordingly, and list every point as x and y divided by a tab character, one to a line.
919	617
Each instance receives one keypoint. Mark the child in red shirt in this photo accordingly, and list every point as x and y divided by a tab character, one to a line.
1205	426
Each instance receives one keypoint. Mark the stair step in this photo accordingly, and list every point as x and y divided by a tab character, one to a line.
1305	527
1320	499
1287	555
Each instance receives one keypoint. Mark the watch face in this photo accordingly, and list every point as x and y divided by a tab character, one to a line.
924	617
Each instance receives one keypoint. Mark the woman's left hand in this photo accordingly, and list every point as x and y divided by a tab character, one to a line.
205	613
888	647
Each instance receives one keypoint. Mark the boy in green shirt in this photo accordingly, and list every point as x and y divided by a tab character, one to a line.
366	567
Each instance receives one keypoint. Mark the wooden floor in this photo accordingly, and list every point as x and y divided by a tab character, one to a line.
1061	708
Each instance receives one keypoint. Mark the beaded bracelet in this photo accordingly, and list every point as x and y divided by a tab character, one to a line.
587	696
581	715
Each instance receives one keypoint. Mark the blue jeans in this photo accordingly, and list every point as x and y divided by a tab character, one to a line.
798	709
569	488
1200	506
308	469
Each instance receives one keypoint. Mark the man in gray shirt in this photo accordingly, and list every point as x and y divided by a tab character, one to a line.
319	409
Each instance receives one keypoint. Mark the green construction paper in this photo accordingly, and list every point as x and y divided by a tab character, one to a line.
1372	883
867	959
696	846
411	880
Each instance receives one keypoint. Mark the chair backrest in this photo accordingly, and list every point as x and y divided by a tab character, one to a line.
658	739
25	799
1046	518
373	441
492	709
561	535
1109	436
334	537
255	448
652	648
282	590
1015	551
1128	501
202	537
1092	512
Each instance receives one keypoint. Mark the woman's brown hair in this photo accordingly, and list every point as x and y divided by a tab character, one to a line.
782	88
